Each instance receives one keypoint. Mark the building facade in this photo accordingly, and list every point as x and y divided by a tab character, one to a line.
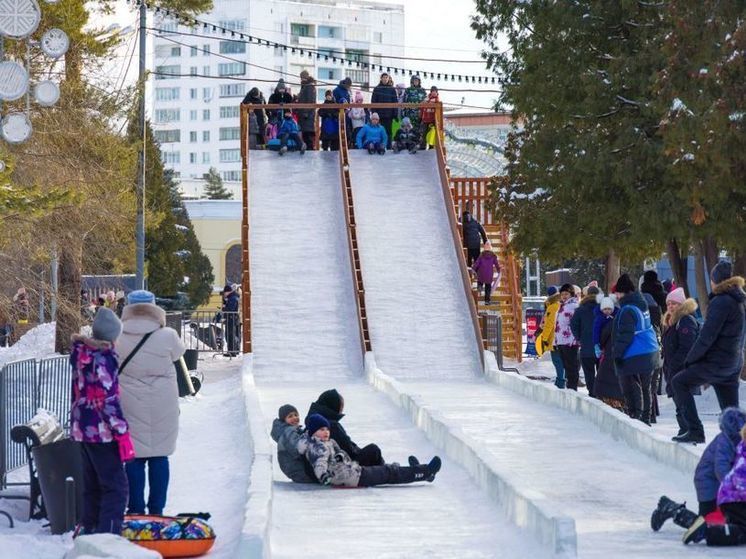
200	74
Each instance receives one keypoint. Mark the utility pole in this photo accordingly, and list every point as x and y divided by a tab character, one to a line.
140	232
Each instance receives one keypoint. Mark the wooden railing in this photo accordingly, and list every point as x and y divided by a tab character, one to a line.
349	207
245	276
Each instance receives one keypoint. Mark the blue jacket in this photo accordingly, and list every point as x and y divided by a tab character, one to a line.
341	94
625	326
371	134
581	325
288	126
719	456
231	302
718	351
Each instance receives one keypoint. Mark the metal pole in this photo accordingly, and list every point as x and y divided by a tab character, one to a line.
140	227
55	285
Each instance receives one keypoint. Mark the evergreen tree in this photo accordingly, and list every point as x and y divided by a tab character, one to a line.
214	189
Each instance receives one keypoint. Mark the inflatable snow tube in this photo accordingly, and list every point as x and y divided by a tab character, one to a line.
171	536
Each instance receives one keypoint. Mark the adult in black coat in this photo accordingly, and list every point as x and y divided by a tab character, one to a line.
581	325
650	284
607	387
255	97
330	404
306	117
279	97
717	355
473	233
232	320
384	92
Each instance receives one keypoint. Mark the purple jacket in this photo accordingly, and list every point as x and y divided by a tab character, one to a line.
96	415
484	266
717	462
733	488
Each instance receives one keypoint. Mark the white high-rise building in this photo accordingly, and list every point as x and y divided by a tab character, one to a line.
201	75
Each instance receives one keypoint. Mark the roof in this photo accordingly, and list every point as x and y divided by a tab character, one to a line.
213	209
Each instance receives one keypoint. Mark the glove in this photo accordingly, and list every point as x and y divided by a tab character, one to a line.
126	449
326	479
597	350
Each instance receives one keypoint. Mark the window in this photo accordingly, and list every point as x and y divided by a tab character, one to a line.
233	269
356	55
206	93
205	135
193	93
231	111
192	70
328	32
168	26
233	90
230	155
164	51
167	136
231	175
192	115
278	51
205	157
232	133
233	24
192	158
330	73
206	70
300	29
231	69
206	114
171	157
167	115
232	47
167	93
329	53
192	137
193	51
206	49
377	37
167	72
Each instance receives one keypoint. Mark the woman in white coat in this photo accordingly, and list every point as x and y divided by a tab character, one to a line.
150	398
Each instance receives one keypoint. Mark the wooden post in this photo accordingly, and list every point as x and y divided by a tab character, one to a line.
245	279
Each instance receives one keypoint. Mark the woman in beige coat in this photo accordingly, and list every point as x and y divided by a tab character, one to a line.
150	398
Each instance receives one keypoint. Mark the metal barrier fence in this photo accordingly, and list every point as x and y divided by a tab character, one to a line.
492	332
208	331
26	386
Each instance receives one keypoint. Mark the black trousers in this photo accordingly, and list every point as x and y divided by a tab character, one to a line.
471	255
330	143
386	123
369	455
706	507
387	473
296	137
732	533
487	290
590	366
637	395
685	381
105	488
571	364
309	139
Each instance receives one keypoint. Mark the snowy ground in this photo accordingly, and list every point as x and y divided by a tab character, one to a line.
34	344
448	518
209	471
417	310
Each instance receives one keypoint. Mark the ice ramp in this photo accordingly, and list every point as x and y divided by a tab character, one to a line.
418	315
304	319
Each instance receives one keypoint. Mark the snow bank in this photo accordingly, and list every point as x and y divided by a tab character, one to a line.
620	426
526	508
254	542
34	344
108	546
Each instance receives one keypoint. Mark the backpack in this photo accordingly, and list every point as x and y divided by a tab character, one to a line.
645	340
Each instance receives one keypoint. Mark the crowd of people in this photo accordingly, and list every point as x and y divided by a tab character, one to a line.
377	131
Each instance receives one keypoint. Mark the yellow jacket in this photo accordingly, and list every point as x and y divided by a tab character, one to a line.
546	340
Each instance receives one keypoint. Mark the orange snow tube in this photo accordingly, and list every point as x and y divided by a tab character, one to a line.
171	536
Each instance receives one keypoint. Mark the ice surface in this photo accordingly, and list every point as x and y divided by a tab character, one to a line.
304	320
418	314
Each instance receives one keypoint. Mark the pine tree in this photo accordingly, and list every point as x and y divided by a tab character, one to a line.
214	189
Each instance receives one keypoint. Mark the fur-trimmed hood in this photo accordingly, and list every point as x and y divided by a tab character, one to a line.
141	318
100	345
552	299
689	306
734	284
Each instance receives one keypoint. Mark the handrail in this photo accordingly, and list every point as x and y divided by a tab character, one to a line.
275	106
352	244
445	184
245	276
515	288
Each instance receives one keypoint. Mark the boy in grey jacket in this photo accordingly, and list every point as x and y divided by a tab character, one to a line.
333	466
286	432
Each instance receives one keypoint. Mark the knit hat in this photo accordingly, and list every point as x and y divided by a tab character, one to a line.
606	302
722	271
331	399
551	290
314	422
677	296
347	81
669	285
406	121
568	287
280	85
228	288
624	284
286	410
140	296
592	290
304	75
650	276
374	116
106	325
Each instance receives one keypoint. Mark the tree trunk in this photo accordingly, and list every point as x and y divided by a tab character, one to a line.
679	260
613	268
701	275
711	253
739	263
68	302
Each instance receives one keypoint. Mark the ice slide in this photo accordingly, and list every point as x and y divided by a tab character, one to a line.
418	314
304	319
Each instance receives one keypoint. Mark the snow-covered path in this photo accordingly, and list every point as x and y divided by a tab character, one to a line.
417	311
445	519
304	320
608	488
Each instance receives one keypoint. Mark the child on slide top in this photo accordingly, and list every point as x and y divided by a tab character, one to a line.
286	432
333	466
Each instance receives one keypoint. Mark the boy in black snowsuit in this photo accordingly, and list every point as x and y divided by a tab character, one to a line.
406	137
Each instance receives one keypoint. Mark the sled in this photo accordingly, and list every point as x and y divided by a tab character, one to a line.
171	536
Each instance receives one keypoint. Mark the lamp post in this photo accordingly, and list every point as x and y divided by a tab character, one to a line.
140	224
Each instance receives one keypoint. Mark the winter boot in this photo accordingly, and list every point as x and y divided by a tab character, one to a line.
283	150
725	535
371	149
381	151
302	149
666	509
396	148
696	532
689	437
433	468
685	518
413	461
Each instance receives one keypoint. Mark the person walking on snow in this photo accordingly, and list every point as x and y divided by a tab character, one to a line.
564	340
373	136
486	266
289	131
287	432
333	466
581	324
474	236
98	424
716	358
